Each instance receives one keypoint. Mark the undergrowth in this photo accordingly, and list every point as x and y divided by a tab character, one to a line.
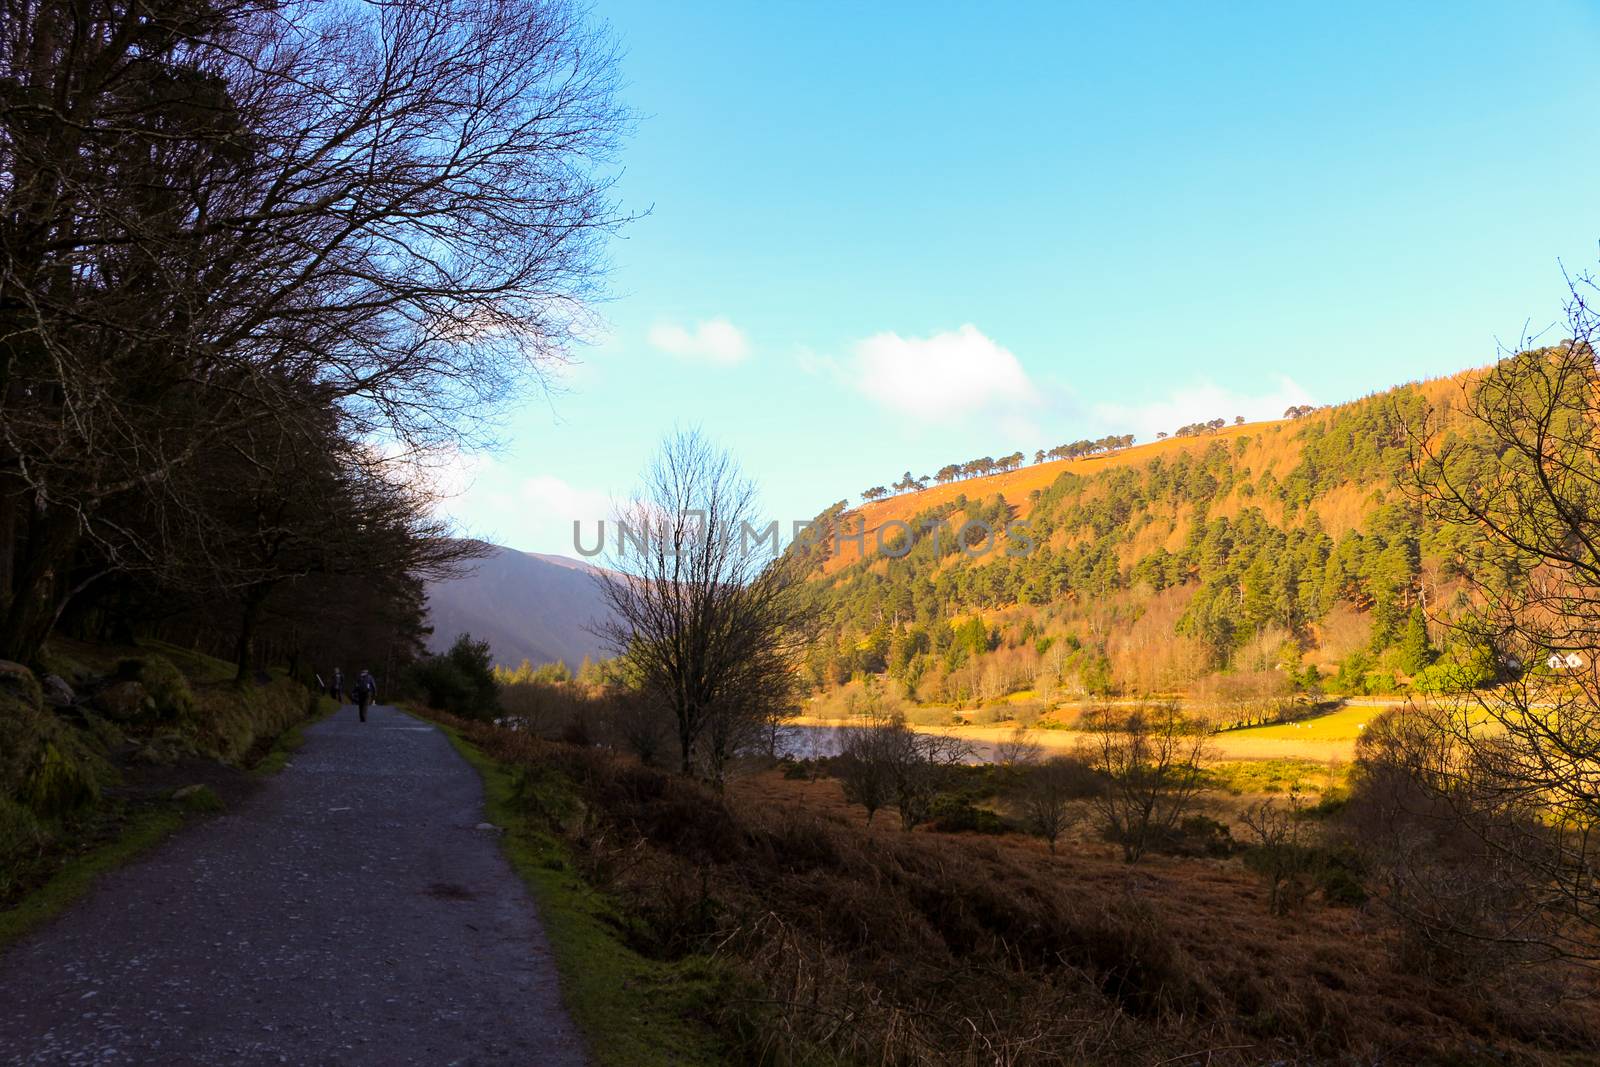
634	1009
847	944
81	794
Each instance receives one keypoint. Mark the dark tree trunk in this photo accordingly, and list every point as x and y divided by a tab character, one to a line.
35	600
255	598
9	513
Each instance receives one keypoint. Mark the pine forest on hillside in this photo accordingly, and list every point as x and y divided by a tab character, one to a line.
1286	556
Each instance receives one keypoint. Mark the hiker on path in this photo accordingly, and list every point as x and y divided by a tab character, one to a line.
337	689
365	691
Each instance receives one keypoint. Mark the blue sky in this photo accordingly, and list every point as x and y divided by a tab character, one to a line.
893	236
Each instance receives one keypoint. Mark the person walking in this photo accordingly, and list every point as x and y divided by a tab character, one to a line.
365	691
336	691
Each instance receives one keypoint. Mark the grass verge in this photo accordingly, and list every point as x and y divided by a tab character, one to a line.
290	741
633	1011
143	831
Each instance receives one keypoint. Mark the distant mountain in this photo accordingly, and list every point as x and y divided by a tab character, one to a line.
527	605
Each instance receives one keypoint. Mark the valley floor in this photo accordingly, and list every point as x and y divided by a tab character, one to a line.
1326	738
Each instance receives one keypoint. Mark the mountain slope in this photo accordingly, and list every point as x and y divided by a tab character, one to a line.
1283	549
525	604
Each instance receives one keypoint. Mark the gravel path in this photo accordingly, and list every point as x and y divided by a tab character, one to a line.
348	912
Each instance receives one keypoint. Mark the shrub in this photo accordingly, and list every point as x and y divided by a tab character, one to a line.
20	833
168	689
957	815
1338	875
931	716
799	770
996	711
1150	760
1456	675
575	731
460	681
59	784
1278	852
1196	835
1043	795
44	764
1374	683
1352	674
1027	712
865	766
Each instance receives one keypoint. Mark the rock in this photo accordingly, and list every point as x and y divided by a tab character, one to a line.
125	702
489	827
157	752
57	693
198	798
19	682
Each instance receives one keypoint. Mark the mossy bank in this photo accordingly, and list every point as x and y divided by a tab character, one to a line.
105	750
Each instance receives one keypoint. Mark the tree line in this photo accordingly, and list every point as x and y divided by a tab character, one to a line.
266	264
987	465
1197	429
1079	449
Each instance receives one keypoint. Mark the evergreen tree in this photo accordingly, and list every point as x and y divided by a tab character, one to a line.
1416	651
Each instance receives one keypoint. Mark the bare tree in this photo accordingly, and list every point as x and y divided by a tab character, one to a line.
865	767
1278	830
1019	749
1516	767
641	726
1044	797
865	764
921	766
760	700
1149	760
212	209
707	617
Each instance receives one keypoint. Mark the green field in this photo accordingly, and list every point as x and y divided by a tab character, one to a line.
1248	777
1345	724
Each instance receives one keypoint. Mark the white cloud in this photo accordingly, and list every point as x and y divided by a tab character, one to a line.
713	341
1200	403
947	374
488	499
553	503
442	475
533	514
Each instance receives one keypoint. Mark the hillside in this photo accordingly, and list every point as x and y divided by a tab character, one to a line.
1021	486
527	605
1283	550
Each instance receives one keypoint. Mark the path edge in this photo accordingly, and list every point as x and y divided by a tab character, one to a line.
632	1011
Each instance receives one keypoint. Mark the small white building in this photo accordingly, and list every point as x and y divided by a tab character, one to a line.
1571	661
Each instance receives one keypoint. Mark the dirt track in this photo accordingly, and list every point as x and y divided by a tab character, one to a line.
349	912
